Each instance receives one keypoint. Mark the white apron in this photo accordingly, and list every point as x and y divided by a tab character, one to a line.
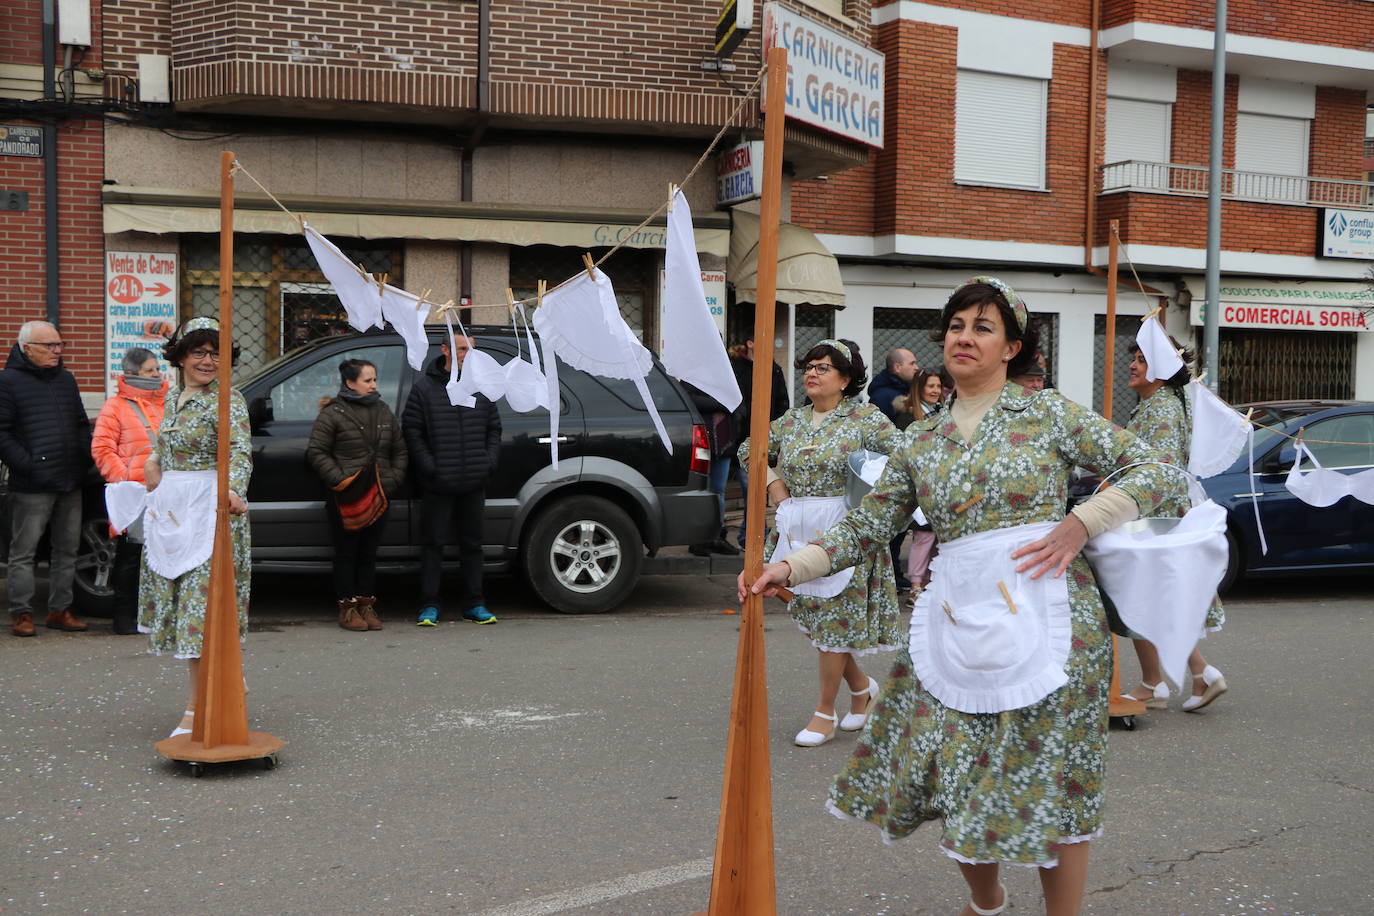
967	646
179	523
124	502
799	521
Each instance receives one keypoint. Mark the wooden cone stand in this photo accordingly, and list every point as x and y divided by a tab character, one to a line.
220	731
1117	707
744	881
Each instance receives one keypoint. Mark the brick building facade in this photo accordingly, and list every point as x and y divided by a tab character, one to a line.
462	148
1011	150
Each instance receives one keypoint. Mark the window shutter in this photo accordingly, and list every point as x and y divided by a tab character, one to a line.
1270	143
1137	130
999	132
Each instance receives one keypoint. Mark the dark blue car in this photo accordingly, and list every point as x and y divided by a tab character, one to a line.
1303	539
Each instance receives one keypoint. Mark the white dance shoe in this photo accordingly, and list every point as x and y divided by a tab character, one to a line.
807	738
1215	687
854	721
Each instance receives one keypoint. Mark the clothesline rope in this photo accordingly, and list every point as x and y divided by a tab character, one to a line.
745	99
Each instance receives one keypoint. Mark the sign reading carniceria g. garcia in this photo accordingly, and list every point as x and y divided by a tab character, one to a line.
1346	234
833	82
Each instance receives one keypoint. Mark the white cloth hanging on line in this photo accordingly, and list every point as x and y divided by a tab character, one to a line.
1218	433
407	314
355	290
1322	487
1161	359
692	348
580	322
526	387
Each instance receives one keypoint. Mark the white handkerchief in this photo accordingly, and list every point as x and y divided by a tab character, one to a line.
124	502
407	315
1163	361
1218	432
692	348
359	295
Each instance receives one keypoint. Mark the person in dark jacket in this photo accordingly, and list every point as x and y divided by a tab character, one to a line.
779	402
453	451
355	433
893	381
45	441
724	437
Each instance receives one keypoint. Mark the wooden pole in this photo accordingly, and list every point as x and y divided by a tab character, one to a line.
744	881
221	709
1109	369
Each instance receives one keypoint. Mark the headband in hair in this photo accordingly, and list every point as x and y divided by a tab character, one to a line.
1018	305
838	345
203	323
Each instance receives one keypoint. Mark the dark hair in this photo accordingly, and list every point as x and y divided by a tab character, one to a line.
918	384
176	349
983	294
1182	376
852	367
350	369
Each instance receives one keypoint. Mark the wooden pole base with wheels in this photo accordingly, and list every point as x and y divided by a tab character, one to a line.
744	880
219	732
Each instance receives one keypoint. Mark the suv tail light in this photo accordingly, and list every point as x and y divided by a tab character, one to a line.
701	450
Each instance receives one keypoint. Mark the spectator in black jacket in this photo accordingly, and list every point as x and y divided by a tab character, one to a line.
453	451
742	362
724	437
45	441
893	381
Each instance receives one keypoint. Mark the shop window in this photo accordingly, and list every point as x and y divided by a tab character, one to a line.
281	299
999	129
633	273
1264	365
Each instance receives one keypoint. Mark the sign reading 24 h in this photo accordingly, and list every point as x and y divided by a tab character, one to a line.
140	307
833	82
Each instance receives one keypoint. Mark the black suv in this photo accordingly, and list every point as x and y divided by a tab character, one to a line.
578	533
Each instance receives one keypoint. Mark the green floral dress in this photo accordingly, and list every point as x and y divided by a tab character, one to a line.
1163	421
1009	786
172	611
814	461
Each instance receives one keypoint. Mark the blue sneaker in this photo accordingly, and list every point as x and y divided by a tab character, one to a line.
429	616
479	614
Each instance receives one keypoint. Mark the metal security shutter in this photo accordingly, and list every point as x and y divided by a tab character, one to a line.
999	133
813	325
1272	144
1263	365
1123	398
1137	130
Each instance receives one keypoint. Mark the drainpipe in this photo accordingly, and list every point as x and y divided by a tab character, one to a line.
51	239
1090	175
474	140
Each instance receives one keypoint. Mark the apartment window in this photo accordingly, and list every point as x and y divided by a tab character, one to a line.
1270	146
1137	129
999	130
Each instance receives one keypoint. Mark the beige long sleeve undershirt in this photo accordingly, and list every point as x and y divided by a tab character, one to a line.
1104	511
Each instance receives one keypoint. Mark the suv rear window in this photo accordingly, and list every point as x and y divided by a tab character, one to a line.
666	395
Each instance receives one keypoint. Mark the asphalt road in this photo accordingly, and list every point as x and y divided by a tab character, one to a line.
572	765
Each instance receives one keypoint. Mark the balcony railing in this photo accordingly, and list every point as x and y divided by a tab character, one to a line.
1192	181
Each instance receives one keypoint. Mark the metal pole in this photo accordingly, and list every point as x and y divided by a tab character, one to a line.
52	241
1210	325
1109	359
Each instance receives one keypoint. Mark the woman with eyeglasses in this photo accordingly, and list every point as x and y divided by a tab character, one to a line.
854	612
179	522
123	440
994	717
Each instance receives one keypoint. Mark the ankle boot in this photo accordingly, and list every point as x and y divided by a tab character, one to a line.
367	607
349	618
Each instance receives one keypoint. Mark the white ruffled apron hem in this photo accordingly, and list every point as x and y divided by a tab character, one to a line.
984	638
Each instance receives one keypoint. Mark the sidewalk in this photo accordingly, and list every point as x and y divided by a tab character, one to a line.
677	561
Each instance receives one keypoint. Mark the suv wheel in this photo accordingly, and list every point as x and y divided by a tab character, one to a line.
582	555
93	588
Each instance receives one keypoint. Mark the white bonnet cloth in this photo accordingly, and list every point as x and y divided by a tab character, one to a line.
1161	359
407	314
1219	432
179	524
1322	487
581	323
124	503
692	348
526	387
356	291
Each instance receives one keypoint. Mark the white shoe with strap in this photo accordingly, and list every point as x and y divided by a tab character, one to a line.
807	738
1215	686
854	721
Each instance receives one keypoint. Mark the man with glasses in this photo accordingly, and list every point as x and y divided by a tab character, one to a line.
45	442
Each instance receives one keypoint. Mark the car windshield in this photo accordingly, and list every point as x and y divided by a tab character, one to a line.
1271	422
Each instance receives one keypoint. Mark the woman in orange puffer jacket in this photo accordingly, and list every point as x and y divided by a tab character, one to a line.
120	444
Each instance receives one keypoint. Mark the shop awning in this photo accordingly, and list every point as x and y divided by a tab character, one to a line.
166	211
807	271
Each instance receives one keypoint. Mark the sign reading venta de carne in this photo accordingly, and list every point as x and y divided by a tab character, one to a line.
1347	234
833	82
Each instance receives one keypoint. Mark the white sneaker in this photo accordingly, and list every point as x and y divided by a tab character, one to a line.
854	721
807	738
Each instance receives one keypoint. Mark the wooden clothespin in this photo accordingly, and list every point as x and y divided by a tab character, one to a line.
423	300
965	506
1151	313
949	612
1251	412
1006	596
591	266
672	195
510	299
539	296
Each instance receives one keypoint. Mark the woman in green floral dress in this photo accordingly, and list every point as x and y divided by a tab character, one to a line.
172	610
1162	418
808	458
1023	785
